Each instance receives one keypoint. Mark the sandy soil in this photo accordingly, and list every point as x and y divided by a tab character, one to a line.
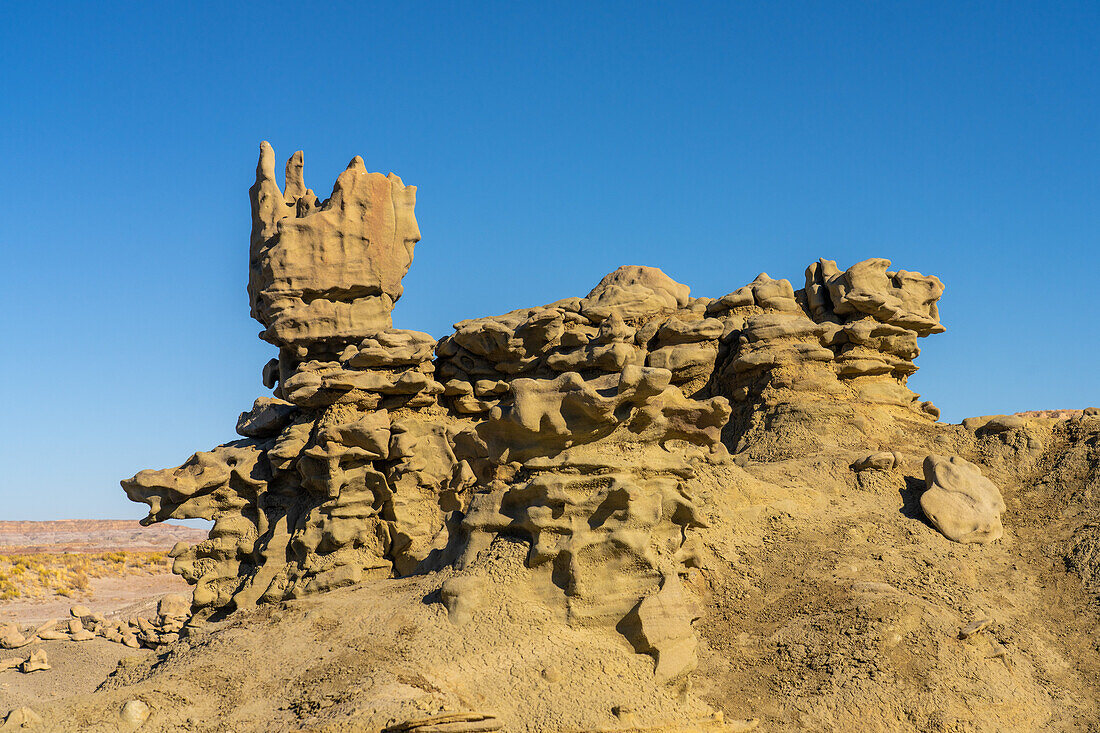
109	596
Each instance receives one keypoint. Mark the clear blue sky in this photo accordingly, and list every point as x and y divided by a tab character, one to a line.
549	144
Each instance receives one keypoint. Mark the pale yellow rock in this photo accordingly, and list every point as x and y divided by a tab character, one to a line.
134	712
36	662
462	596
661	626
21	718
878	461
975	627
174	605
46	626
634	291
962	503
10	638
267	418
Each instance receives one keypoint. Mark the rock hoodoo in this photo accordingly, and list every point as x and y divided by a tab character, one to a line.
577	427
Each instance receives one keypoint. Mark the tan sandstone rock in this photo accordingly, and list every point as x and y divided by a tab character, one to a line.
962	503
36	662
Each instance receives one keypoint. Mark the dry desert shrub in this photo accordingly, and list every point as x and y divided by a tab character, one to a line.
68	574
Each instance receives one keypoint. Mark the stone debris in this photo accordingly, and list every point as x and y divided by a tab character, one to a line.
35	662
46	626
134	712
10	638
173	614
880	461
975	627
960	502
450	723
21	718
52	635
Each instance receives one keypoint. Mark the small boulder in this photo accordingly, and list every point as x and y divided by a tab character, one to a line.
461	596
974	627
10	638
134	712
174	605
77	632
880	461
36	662
960	502
660	625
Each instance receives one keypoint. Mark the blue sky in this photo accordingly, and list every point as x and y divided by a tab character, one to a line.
550	143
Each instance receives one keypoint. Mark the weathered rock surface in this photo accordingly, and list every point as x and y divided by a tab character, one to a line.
960	501
385	453
329	269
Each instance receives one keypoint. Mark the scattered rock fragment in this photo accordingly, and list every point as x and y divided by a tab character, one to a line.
134	712
450	723
36	662
46	626
77	632
52	635
10	638
975	627
880	461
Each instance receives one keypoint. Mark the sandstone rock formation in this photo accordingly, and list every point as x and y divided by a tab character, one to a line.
327	270
576	426
611	470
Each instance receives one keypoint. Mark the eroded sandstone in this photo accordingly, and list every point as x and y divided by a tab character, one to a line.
577	427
